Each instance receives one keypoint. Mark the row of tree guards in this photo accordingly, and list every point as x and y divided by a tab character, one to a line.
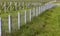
15	5
10	6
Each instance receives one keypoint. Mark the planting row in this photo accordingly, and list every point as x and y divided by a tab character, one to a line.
12	22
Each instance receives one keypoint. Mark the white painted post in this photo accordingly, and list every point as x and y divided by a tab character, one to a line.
25	17
18	20
30	15
0	26
9	22
5	7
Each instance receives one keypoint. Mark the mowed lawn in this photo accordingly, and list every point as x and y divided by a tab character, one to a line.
52	27
46	24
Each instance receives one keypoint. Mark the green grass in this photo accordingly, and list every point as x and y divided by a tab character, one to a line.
46	24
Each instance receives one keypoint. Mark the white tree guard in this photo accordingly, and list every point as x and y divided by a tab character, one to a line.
30	15
0	26
9	22
19	20
25	17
